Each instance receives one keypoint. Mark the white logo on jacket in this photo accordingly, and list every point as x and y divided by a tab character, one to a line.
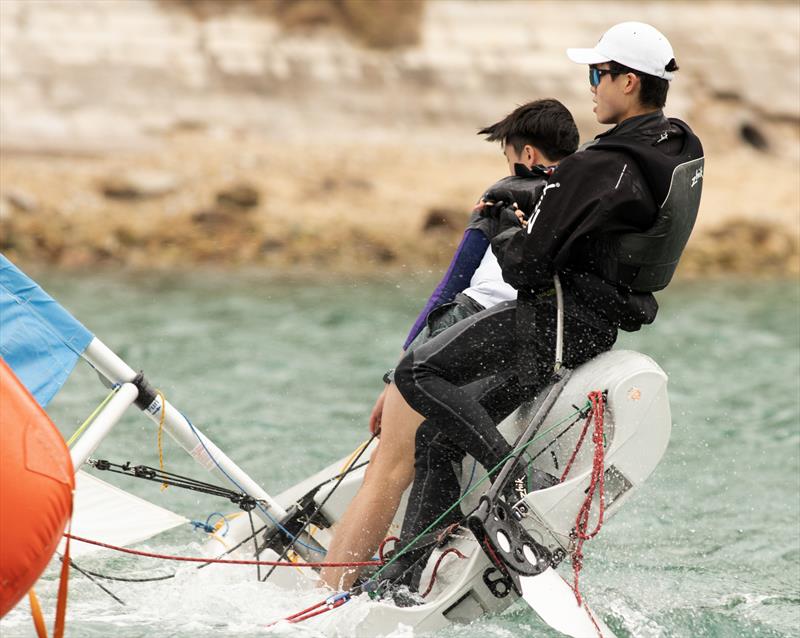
698	175
539	204
620	176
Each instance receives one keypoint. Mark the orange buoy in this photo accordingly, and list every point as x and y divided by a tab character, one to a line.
36	484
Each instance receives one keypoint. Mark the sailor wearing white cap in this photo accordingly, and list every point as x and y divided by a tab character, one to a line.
636	45
639	61
611	223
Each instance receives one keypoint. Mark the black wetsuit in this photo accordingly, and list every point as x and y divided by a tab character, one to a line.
610	190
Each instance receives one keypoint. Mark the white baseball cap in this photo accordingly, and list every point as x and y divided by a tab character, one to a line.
635	45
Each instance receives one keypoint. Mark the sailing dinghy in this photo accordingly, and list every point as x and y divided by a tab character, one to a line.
600	429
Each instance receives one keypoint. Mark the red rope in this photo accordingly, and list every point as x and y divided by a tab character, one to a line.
314	610
452	550
382	546
577	447
446	533
492	553
594	621
596	483
293	617
329	607
224	561
300	616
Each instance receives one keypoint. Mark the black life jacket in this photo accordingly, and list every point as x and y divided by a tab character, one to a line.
645	261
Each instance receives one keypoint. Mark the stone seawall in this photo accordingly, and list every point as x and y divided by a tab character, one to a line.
123	124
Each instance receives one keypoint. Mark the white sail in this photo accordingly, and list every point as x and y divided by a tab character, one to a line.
110	515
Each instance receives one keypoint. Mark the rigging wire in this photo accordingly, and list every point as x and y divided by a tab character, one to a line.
194	485
338	599
90	575
122	579
170	478
222	561
92	416
515	452
352	468
263	509
255	543
155	475
343	473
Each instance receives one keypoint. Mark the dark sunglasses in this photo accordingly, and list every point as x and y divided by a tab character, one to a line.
595	74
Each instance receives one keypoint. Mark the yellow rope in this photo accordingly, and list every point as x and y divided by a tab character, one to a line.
90	418
220	540
161	435
226	517
350	458
220	523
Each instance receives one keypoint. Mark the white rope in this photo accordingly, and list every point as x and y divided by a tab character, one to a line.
559	324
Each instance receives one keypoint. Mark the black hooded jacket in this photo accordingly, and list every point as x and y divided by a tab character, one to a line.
612	187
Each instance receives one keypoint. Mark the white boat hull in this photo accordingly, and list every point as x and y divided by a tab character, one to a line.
637	429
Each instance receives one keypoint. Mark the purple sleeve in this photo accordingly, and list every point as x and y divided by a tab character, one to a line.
465	262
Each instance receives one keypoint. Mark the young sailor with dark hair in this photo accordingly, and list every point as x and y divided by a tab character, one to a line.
534	138
611	225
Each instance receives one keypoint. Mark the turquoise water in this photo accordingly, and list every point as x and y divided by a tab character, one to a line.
282	375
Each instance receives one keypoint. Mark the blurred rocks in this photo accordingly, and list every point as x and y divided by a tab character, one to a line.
138	184
21	201
211	217
238	197
270	246
340	134
370	248
338	182
743	247
753	136
231	211
382	24
444	219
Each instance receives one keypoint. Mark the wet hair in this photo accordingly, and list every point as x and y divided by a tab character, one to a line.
545	124
654	90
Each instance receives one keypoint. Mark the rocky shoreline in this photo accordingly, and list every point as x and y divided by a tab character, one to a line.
151	134
176	207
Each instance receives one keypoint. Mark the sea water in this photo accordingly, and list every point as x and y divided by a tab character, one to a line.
281	373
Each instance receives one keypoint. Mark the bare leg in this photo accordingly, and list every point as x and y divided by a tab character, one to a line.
366	520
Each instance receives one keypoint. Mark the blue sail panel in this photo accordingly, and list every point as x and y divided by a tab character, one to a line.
39	340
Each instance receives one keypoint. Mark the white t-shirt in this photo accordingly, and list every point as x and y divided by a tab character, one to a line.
487	285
